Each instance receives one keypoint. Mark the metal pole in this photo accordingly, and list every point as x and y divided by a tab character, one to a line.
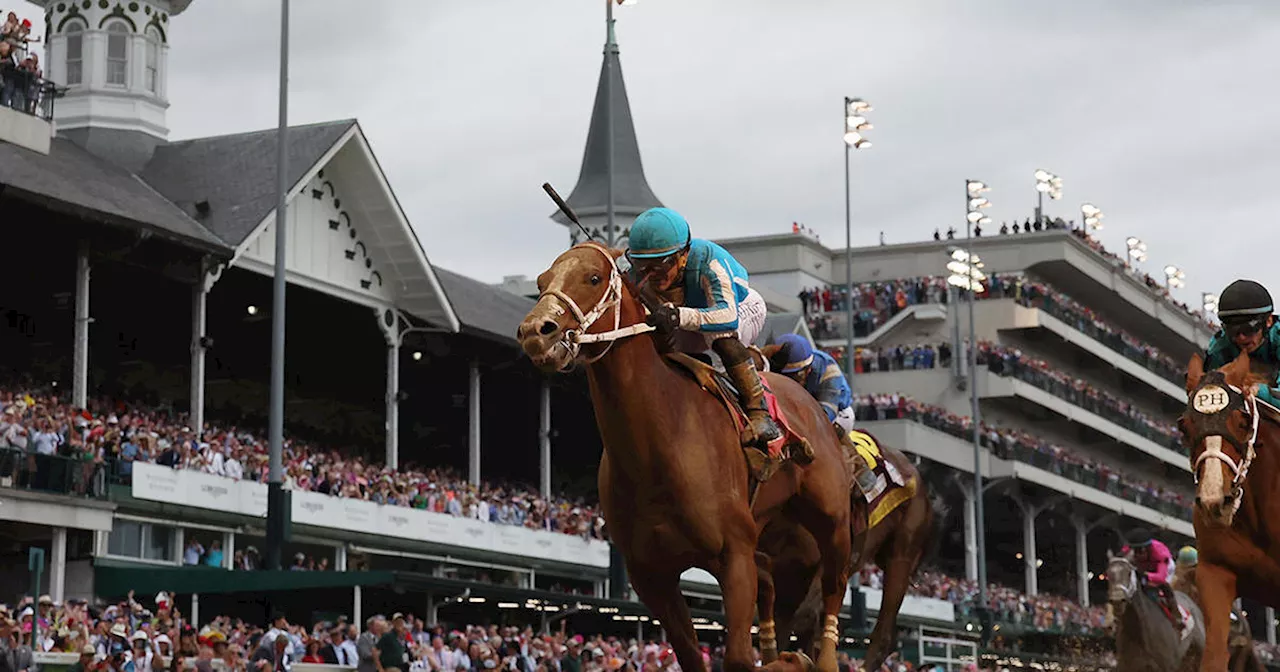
848	266
974	414
610	50
1039	206
275	480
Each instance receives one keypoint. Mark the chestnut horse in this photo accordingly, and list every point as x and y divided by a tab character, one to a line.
1234	439
788	582
673	479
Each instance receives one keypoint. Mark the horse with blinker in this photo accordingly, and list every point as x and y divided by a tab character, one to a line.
1234	438
673	479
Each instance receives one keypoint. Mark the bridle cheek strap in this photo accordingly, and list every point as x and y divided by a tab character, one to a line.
612	299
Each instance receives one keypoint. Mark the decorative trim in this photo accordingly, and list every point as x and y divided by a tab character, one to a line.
164	37
73	14
117	13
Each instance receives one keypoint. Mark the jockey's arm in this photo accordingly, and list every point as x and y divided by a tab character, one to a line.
721	313
833	391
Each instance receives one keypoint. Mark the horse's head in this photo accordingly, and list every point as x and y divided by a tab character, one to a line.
1122	580
1220	426
582	285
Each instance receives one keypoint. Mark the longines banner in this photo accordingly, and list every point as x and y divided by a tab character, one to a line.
205	491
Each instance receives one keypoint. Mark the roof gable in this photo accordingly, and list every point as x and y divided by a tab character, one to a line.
236	174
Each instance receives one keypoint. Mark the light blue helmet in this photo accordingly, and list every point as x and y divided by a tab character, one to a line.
658	232
796	351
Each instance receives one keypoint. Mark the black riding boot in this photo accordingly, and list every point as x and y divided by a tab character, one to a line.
742	372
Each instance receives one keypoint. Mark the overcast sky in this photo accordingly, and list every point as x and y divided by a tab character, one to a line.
1161	112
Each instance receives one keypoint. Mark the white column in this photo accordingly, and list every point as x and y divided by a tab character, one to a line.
199	322
229	550
970	532
1029	548
1270	615
433	610
1082	561
80	356
195	611
473	425
58	564
356	611
340	559
544	440
393	404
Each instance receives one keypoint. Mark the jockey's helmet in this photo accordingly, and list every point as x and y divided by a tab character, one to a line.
1139	538
796	351
657	233
1244	307
1187	555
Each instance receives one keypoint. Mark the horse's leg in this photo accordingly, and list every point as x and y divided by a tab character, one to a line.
1217	587
905	547
765	608
835	578
738	576
661	594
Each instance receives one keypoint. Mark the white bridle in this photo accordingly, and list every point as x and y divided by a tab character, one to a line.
1130	587
1213	449
574	339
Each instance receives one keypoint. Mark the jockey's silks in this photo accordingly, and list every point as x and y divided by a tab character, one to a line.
1222	351
714	283
826	382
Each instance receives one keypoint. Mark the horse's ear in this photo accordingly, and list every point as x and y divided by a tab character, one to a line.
1195	372
1110	556
615	253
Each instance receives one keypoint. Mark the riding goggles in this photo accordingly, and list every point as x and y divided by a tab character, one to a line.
1244	326
656	265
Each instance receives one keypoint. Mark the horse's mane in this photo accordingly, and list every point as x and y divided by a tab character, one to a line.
1238	372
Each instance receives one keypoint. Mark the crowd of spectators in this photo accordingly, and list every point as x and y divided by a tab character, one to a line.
1012	362
47	444
21	83
1010	444
1044	612
877	302
897	357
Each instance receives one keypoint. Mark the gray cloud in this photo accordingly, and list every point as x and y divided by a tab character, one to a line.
1158	112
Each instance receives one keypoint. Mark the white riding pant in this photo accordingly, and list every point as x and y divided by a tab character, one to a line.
752	312
845	419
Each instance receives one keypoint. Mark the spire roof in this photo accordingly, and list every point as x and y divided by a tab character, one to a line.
631	192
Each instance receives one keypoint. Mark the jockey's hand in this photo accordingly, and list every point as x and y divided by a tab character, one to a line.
665	318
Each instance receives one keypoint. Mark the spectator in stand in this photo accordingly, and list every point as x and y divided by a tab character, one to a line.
1022	446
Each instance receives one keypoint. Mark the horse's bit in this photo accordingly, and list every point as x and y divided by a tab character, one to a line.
1211	408
574	338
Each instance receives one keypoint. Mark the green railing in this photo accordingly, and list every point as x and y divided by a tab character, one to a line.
57	474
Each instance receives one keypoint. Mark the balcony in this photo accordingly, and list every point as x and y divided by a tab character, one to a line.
26	109
1081	482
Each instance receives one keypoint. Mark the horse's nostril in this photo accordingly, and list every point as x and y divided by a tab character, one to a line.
548	328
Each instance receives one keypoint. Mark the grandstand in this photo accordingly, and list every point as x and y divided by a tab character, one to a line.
431	470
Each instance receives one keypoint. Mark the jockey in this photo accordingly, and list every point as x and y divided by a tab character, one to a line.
1248	324
819	373
1154	560
706	303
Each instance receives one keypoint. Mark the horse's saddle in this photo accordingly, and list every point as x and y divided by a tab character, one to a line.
1178	615
891	488
719	386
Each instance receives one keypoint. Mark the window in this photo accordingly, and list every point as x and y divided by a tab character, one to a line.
153	59
118	54
131	539
75	53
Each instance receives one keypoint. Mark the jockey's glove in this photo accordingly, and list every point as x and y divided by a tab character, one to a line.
665	318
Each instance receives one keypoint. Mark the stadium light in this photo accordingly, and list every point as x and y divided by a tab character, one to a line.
964	274
417	355
1209	302
1137	249
1174	277
1091	216
251	309
854	111
1046	183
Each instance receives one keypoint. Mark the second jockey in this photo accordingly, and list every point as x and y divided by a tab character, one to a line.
819	373
1155	561
706	303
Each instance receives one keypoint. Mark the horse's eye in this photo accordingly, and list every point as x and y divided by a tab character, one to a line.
595	280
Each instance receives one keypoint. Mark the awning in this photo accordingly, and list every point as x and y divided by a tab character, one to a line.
112	581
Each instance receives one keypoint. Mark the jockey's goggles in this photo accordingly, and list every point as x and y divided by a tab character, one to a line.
1244	326
658	265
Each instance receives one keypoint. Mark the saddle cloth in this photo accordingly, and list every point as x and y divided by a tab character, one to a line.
891	489
1183	623
718	385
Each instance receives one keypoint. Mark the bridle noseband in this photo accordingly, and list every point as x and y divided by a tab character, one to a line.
573	339
1129	587
1212	403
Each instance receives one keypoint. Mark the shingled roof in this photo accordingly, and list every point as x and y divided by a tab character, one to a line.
71	179
236	174
484	310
